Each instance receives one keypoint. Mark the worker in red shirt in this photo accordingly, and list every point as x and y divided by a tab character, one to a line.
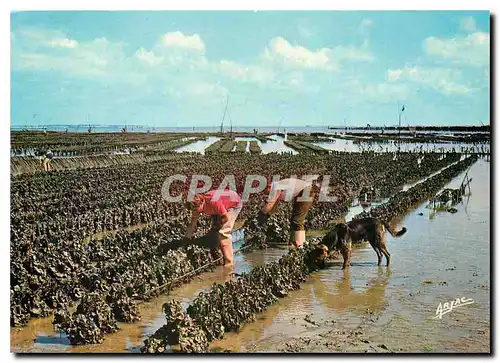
224	207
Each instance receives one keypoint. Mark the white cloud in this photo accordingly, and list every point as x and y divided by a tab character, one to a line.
394	75
444	80
44	62
44	38
468	24
148	57
177	66
64	43
48	50
473	49
245	73
179	40
296	79
38	35
281	52
233	69
351	53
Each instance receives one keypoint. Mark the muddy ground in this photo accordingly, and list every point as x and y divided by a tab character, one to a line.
368	308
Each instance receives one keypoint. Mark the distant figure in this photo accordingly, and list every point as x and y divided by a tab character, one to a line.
89	129
46	158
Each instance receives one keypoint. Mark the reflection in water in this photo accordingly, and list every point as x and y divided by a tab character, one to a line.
339	145
277	146
198	146
391	146
245	138
344	296
323	298
272	146
270	323
40	336
411	185
401	304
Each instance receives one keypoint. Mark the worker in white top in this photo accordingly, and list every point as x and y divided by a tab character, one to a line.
302	193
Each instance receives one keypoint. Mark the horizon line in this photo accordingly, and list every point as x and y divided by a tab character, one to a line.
250	126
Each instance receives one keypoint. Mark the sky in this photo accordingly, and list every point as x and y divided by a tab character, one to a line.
294	68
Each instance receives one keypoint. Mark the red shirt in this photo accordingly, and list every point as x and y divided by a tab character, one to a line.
227	199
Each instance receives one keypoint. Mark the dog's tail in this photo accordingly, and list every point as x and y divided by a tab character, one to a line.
395	233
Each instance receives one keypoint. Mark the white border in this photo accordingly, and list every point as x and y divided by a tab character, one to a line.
250	5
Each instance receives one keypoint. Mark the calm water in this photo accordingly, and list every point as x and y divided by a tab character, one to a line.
442	256
336	144
349	145
276	145
198	146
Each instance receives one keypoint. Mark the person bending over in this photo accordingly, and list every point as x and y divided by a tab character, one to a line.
302	193
224	208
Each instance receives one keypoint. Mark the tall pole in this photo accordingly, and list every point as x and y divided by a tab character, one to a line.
279	124
400	110
231	126
224	115
399	128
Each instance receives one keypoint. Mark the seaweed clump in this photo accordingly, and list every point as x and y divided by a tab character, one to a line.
123	307
404	200
98	311
227	307
255	234
258	235
179	329
87	325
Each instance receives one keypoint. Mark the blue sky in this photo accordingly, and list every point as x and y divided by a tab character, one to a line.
297	68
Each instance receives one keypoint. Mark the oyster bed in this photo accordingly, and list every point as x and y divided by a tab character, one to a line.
71	244
404	200
228	306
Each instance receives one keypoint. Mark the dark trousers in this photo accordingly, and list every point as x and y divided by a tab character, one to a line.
301	208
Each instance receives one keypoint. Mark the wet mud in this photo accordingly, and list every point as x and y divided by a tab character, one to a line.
364	309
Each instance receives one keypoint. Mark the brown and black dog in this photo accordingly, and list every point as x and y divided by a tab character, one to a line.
366	229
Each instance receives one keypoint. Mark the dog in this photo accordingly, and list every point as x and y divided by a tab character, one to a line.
370	229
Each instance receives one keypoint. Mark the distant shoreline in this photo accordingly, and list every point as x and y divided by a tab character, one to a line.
245	129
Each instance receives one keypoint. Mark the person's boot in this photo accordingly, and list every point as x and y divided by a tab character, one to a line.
226	246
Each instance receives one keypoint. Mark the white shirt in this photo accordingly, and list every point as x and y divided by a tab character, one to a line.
290	188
